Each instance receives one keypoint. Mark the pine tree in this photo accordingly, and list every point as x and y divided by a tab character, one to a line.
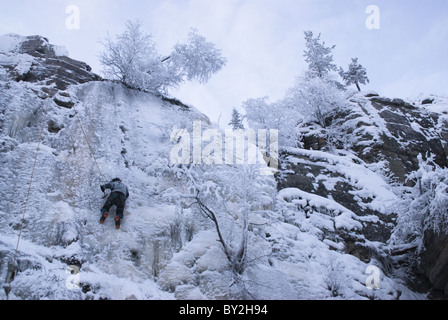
237	120
356	74
318	56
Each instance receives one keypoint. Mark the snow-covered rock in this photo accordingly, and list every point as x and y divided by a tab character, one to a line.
34	59
367	149
316	238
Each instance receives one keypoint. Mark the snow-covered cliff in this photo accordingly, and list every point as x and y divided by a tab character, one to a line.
302	242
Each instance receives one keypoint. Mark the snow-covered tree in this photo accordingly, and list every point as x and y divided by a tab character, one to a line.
356	74
132	58
197	60
315	97
280	115
317	91
258	113
425	206
230	197
318	56
237	121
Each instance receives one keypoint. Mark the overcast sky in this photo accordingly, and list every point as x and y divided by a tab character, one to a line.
262	40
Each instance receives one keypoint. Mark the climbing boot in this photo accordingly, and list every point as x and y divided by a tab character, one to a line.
117	222
103	217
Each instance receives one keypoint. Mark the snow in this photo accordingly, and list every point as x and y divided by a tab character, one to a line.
371	184
60	51
10	42
63	215
166	247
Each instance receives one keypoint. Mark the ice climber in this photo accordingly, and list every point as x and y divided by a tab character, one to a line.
119	194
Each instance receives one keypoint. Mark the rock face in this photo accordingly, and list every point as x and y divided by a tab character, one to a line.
434	261
412	131
334	188
34	59
386	136
37	116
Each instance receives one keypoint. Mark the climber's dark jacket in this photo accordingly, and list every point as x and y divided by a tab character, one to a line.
118	196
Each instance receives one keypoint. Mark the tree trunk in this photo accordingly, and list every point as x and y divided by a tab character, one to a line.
211	215
357	86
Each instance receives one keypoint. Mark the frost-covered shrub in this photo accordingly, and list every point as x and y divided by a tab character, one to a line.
425	206
228	197
334	279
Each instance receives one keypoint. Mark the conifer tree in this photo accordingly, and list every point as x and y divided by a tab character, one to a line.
237	120
356	74
318	56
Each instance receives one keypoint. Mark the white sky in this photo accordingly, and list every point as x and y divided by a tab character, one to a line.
262	40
